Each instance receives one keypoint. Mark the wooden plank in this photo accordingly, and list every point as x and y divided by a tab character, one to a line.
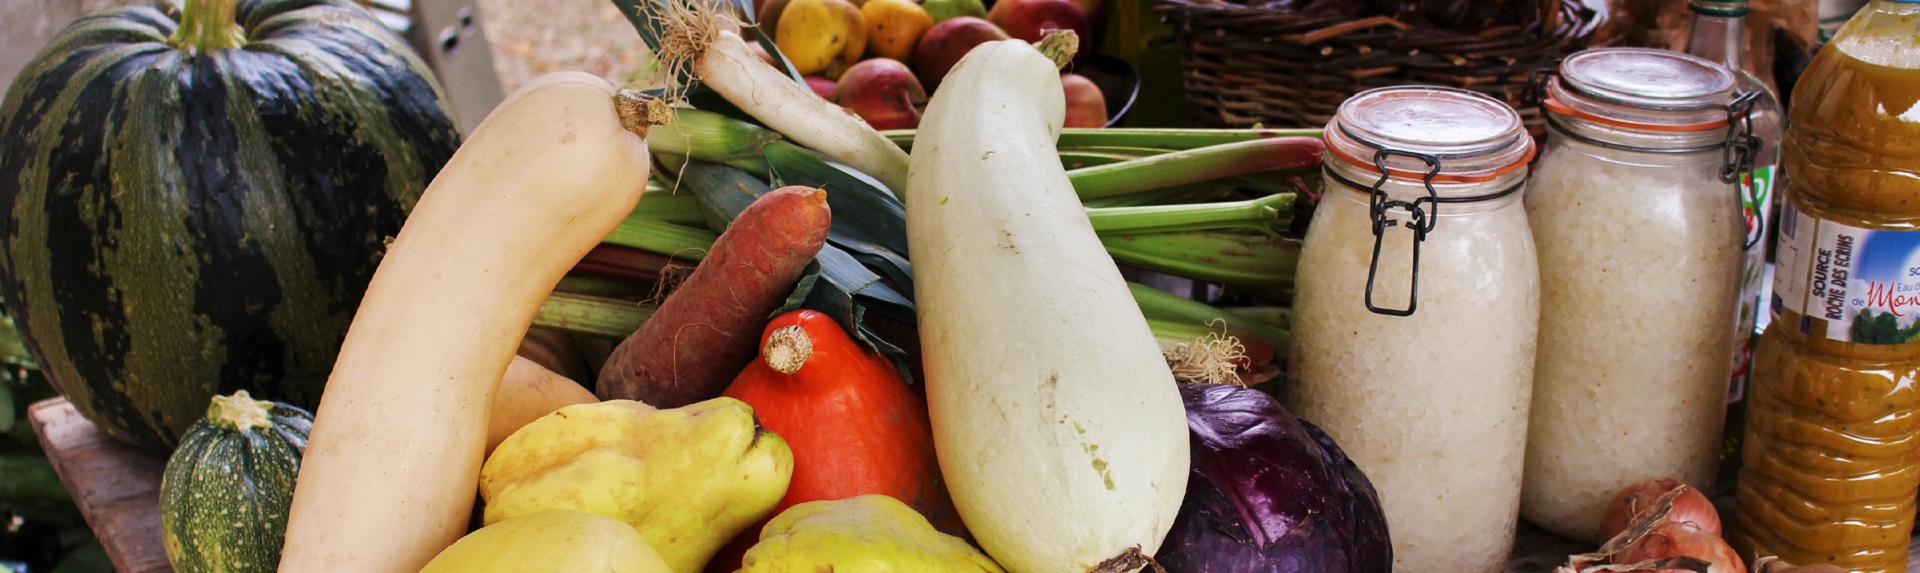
116	485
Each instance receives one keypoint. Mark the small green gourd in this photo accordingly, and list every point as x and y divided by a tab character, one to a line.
226	490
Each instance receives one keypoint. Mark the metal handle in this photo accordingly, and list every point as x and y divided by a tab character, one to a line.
1742	151
1423	222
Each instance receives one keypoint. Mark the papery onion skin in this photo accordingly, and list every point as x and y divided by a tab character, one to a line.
1672	538
1691	507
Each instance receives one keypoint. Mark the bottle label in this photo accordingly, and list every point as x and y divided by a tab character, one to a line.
1756	199
1848	283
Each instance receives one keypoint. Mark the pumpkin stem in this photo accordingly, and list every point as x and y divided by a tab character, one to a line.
639	111
207	25
787	349
239	412
1059	46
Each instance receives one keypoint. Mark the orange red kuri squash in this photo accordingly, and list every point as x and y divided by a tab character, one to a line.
854	425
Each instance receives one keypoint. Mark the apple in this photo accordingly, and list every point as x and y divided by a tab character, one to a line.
1030	20
822	87
769	17
883	92
821	35
894	27
758	51
1086	105
943	10
946	42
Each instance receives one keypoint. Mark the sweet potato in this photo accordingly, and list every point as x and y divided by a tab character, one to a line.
709	328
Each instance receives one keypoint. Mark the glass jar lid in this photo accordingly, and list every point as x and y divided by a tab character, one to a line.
1472	138
1427	138
1642	88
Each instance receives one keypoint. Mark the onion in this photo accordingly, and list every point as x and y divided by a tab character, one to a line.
1689	507
1678	539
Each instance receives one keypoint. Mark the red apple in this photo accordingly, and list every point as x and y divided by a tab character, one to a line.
1030	20
822	87
1086	106
753	46
883	92
946	42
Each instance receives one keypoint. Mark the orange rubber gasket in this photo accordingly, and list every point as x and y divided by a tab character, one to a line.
1442	178
1554	105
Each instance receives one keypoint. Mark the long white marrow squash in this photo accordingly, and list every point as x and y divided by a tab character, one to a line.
389	474
1059	429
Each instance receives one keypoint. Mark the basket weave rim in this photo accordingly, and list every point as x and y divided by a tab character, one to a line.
1318	28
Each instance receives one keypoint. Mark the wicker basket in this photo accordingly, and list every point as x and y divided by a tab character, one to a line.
1247	65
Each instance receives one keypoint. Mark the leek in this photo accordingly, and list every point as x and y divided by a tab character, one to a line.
1162	138
677	241
1268	215
592	285
1167	307
1196	165
1276	316
709	136
665	206
599	317
1257	262
1173	319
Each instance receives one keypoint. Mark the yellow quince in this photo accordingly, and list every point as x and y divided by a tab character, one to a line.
553	540
866	534
687	479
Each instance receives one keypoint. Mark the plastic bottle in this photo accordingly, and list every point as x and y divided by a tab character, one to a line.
1830	468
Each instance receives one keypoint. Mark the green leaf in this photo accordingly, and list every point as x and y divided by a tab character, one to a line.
723	191
863	208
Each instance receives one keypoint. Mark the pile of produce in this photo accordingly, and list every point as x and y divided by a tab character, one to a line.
826	347
880	58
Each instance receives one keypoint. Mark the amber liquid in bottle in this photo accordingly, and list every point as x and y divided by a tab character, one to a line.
1832	452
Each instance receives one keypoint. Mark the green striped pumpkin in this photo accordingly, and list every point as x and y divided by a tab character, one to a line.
226	490
194	215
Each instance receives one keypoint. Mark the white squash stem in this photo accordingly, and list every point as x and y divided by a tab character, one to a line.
389	474
700	35
1059	428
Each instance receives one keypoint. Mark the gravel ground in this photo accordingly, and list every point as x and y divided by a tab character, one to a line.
533	37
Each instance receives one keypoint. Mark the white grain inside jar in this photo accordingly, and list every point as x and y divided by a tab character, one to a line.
1641	243
1424	379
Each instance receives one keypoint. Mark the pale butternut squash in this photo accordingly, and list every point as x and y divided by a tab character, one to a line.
394	459
527	392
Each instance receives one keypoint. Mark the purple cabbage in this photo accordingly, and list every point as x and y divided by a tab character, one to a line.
1270	493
